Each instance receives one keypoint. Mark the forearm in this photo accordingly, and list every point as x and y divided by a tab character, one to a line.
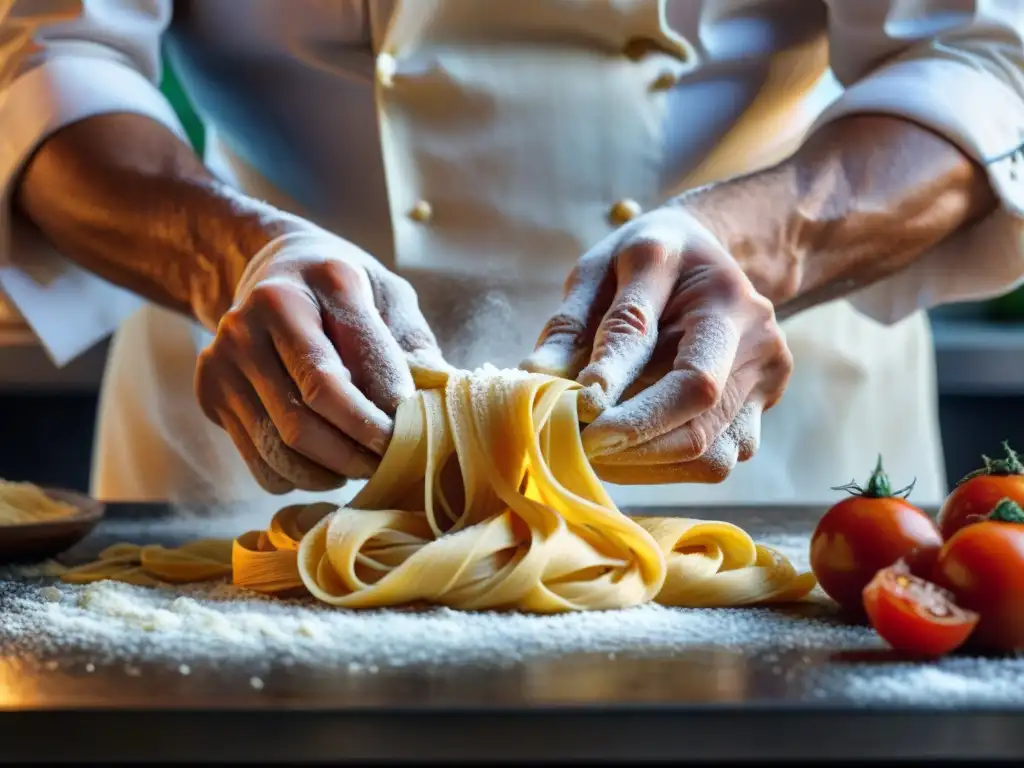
127	199
863	198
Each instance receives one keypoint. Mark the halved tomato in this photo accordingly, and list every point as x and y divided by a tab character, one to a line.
915	616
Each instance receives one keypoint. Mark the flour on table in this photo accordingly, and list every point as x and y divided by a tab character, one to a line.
110	623
952	682
120	622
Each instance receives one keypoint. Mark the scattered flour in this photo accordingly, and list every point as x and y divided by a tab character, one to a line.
954	682
109	623
116	622
120	622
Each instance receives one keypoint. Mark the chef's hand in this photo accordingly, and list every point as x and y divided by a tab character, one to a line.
310	363
677	352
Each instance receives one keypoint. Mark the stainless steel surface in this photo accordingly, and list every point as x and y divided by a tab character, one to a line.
707	701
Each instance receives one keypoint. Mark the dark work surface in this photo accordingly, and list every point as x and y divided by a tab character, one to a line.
704	702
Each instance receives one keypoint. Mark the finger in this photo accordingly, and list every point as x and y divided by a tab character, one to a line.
351	321
710	469
303	432
400	309
628	332
565	342
241	400
323	382
268	479
695	385
746	429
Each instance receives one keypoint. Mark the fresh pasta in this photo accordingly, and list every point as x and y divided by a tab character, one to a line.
28	504
484	499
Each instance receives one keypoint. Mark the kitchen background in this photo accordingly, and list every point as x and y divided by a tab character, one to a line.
50	412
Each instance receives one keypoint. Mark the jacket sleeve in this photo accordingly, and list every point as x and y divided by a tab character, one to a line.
957	68
62	61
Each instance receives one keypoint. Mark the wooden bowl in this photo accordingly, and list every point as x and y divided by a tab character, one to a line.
37	541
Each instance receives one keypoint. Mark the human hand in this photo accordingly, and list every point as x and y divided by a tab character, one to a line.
677	352
308	366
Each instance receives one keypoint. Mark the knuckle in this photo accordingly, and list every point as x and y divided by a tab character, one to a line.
778	358
310	380
265	297
340	277
748	445
402	290
705	389
576	275
629	318
291	430
645	253
733	289
699	442
716	471
204	360
268	479
563	324
233	327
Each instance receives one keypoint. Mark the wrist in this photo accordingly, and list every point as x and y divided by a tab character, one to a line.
229	235
125	198
745	220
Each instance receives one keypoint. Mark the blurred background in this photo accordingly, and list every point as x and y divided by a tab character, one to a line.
979	353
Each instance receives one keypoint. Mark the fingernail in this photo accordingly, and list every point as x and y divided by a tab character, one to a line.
597	444
550	359
365	465
591	402
379	443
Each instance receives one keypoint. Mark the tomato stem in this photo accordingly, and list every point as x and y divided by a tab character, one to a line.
1011	465
1006	511
878	486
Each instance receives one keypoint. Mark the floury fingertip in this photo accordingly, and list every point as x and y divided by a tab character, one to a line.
592	402
550	359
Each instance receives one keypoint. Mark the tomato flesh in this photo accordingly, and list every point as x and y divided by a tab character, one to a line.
861	535
983	566
972	500
915	616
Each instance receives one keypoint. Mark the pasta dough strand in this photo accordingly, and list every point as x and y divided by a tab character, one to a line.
485	499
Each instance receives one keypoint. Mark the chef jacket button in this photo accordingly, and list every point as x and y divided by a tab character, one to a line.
623	211
422	212
638	47
387	66
664	81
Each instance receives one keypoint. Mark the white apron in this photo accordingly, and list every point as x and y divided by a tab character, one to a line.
521	126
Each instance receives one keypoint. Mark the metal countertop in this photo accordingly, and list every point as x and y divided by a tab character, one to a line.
702	702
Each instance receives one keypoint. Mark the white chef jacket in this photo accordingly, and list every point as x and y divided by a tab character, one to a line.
520	124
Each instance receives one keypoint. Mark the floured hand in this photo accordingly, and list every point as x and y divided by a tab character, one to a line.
310	363
678	353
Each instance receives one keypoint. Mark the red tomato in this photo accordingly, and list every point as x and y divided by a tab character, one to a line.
869	531
915	616
979	492
983	566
